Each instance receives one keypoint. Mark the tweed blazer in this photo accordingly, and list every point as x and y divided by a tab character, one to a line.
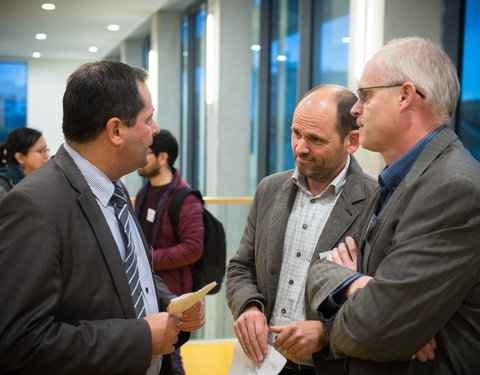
424	255
66	303
253	273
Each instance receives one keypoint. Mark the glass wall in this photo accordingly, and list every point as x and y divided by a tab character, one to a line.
193	129
284	50
13	97
330	42
469	116
296	45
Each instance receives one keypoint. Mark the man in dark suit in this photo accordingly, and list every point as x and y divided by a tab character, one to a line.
419	238
295	216
67	304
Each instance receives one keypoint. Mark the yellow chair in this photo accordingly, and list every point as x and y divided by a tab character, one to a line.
207	357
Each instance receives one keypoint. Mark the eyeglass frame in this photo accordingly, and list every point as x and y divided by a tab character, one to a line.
42	151
360	90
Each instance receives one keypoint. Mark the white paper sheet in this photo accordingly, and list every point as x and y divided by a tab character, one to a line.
185	301
272	364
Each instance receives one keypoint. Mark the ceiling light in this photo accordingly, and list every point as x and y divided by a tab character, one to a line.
93	49
281	58
48	6
36	54
41	36
346	39
255	47
113	27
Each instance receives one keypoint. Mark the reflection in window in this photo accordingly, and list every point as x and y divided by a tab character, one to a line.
193	130
13	97
469	124
284	54
330	42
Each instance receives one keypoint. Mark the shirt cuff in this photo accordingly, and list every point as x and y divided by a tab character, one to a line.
332	304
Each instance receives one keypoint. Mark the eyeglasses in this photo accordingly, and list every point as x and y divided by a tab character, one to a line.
42	151
362	92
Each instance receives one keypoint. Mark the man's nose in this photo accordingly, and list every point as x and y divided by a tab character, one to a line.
155	128
357	108
301	147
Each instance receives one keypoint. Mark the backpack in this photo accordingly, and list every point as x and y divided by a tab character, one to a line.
211	266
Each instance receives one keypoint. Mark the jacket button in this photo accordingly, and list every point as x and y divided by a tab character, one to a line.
291	282
299	254
283	311
304	226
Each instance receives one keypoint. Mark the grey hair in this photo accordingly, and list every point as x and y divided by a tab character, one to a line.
427	66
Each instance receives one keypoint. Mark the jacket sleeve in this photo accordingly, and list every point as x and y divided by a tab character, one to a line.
424	278
190	232
241	279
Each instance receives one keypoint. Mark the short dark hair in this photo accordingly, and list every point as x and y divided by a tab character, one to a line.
346	99
346	122
164	141
18	140
97	92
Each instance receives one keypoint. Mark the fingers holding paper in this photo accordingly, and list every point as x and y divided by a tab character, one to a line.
252	332
164	328
192	318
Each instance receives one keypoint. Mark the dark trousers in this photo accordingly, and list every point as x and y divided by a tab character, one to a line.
292	368
177	363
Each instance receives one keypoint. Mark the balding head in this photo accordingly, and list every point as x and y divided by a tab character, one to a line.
344	100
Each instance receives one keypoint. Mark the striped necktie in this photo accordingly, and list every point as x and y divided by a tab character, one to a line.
119	202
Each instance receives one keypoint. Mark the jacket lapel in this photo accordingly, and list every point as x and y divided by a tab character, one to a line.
88	204
429	154
282	206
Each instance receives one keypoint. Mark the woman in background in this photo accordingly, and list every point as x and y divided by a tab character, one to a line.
24	151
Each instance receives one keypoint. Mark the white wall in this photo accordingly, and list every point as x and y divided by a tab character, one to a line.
46	82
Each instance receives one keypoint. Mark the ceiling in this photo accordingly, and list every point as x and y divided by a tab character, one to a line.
74	26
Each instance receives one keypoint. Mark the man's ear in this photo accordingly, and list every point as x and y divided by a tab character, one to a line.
351	141
407	95
114	131
162	158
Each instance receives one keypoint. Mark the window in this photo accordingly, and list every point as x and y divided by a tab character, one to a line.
331	42
13	97
296	45
193	130
469	108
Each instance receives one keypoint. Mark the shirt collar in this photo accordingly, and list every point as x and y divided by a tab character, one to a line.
102	187
393	175
336	186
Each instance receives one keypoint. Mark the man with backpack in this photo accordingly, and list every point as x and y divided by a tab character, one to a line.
175	248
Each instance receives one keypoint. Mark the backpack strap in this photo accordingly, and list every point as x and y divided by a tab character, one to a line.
176	204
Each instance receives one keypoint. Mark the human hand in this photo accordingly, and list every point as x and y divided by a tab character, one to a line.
300	338
427	352
165	329
251	329
345	254
193	318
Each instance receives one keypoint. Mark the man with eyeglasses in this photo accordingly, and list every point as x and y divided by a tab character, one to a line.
410	274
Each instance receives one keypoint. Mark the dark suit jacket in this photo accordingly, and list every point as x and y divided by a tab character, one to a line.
66	303
254	271
424	255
